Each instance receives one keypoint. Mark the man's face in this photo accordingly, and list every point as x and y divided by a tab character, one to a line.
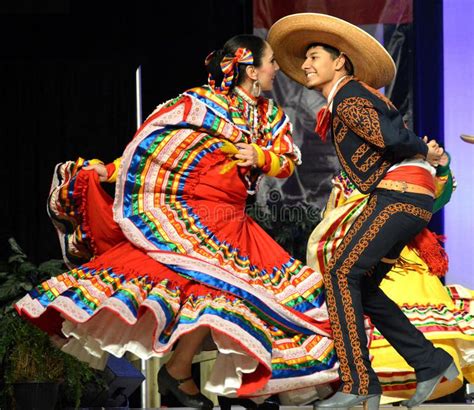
319	67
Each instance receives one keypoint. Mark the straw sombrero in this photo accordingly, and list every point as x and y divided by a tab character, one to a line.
291	35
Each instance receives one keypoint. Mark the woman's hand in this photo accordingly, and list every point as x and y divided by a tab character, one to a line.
100	169
247	153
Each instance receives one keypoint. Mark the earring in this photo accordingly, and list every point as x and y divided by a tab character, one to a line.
256	89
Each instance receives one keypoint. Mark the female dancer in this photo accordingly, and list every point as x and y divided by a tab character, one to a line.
173	261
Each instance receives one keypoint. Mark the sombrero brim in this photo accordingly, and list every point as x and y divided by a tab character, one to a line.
291	35
468	138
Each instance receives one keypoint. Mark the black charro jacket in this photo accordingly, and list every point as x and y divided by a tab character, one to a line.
369	136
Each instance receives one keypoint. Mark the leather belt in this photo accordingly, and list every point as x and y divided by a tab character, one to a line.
402	186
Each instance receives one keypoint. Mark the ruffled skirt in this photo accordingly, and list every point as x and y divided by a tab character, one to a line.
117	299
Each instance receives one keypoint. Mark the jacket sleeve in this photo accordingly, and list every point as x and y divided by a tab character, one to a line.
376	128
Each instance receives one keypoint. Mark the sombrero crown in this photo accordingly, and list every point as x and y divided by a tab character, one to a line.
291	35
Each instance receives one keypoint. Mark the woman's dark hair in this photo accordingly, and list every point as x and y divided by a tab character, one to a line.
335	53
253	43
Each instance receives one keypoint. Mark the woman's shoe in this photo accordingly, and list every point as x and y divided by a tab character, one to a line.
344	401
167	383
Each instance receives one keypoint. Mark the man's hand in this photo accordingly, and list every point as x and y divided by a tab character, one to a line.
444	160
247	153
100	169
435	152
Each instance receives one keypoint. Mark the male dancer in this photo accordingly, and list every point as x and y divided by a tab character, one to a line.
381	157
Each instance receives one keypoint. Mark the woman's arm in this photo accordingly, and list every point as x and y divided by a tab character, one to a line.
107	173
276	153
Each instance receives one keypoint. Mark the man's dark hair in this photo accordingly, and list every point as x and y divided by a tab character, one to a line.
335	53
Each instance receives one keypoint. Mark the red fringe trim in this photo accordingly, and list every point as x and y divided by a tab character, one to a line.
430	250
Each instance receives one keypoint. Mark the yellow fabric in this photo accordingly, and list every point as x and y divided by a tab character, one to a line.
440	182
113	177
468	372
275	165
229	149
387	358
429	289
260	156
409	286
276	161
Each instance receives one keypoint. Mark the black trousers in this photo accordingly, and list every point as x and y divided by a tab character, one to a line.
389	221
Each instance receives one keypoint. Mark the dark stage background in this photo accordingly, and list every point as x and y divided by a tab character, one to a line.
67	81
67	71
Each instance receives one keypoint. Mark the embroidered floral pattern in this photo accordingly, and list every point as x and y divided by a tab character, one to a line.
340	133
360	116
370	161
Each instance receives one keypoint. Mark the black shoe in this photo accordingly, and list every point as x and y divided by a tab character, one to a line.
426	388
167	383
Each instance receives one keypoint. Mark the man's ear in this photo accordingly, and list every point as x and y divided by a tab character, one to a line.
251	72
340	62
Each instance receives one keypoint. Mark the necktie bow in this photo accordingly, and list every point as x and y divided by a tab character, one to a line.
323	122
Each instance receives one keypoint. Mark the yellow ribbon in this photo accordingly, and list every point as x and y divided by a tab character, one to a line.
229	149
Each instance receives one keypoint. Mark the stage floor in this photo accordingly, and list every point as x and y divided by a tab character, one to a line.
424	407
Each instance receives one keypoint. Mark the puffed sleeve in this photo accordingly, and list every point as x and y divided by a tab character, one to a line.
277	153
112	170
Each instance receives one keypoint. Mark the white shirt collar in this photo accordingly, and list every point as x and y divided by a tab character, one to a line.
332	93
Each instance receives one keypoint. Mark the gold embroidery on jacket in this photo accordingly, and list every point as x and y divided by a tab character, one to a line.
370	161
340	132
360	115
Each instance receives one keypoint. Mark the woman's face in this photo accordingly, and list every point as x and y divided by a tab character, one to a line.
267	71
